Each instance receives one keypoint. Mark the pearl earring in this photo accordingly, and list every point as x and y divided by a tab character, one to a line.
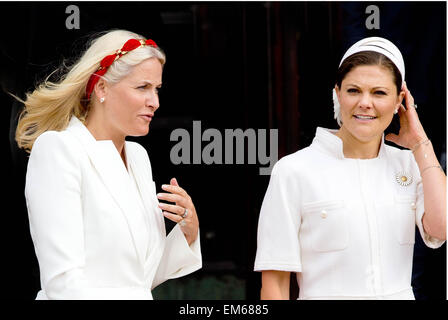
395	111
102	99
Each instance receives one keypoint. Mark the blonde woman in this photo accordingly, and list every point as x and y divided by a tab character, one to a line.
95	219
342	212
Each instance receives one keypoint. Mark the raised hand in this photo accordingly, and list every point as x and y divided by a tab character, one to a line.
411	130
182	212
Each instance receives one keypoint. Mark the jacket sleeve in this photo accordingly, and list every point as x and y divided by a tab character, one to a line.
53	196
278	246
179	259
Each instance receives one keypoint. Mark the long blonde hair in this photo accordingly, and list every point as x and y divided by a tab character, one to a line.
51	105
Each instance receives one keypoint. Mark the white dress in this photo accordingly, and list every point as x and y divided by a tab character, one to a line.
346	226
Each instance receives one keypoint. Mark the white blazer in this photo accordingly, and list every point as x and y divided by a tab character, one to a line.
96	227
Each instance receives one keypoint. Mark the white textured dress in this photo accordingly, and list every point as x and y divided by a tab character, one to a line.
345	226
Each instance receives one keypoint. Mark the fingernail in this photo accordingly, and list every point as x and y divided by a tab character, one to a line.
164	186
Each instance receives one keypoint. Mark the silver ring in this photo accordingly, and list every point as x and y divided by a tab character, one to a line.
182	223
185	213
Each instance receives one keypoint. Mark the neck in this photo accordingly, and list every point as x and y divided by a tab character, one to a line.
100	131
357	149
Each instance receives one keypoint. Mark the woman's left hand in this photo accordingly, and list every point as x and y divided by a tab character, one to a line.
183	206
411	130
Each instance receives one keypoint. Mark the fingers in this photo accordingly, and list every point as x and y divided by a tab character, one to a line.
173	182
172	208
176	198
391	137
173	217
408	98
174	189
175	212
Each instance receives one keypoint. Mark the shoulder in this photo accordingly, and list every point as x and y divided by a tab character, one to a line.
54	142
396	151
400	155
54	151
294	162
402	159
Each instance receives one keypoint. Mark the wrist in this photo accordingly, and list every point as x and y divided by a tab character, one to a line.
425	142
190	239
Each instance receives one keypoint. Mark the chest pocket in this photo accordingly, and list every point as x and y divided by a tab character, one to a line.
404	219
328	225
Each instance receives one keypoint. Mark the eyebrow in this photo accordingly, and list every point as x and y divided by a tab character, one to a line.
149	82
354	85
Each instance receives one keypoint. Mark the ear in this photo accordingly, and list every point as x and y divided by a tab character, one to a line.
100	88
338	91
400	98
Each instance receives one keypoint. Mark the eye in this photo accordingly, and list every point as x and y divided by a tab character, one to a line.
143	86
352	90
379	92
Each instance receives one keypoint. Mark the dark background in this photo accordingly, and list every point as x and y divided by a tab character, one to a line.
229	65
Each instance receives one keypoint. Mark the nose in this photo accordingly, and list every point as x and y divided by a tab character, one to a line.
152	101
365	101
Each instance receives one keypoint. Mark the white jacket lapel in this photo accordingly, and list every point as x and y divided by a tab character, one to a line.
143	176
110	167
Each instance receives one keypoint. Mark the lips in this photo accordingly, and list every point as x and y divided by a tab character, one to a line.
364	117
147	117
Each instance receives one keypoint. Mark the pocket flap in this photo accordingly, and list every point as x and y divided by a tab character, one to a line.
321	205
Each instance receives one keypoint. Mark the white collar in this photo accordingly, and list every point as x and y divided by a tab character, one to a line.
83	132
331	144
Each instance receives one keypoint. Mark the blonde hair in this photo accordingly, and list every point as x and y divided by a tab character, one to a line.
51	105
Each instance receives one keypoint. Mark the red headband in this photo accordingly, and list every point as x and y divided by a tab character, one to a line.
130	45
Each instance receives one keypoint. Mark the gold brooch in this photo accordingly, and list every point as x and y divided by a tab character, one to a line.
403	179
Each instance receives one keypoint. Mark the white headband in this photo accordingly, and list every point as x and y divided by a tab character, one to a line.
376	44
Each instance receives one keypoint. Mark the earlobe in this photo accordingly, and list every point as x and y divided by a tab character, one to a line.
336	88
100	88
337	91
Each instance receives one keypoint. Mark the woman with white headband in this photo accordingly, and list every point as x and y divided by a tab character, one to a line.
342	212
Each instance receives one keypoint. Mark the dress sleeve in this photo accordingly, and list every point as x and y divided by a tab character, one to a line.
429	241
278	246
179	258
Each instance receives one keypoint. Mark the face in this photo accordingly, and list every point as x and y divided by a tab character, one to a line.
132	101
368	99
